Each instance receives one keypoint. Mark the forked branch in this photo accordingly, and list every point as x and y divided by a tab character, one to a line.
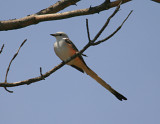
13	59
11	63
111	35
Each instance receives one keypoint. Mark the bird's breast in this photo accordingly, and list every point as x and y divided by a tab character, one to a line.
63	50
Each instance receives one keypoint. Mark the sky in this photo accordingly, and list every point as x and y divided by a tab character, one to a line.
129	62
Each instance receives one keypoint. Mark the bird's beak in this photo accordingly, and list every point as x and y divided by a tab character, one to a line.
53	35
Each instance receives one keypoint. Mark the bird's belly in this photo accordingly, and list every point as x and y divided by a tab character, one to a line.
63	50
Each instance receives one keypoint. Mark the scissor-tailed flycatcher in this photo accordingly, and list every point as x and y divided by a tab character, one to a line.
64	48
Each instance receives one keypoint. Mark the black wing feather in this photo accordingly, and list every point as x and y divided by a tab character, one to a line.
75	48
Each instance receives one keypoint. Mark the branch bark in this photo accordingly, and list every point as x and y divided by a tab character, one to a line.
90	43
44	16
58	6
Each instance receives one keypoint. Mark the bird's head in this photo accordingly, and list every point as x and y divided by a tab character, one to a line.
59	35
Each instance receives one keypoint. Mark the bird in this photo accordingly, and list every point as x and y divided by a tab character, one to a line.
64	49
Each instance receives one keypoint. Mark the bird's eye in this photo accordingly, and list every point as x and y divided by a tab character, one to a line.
60	34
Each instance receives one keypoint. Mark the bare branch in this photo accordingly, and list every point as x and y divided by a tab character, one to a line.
10	65
35	19
111	35
13	59
5	87
1	48
36	79
58	6
158	1
43	76
107	22
41	73
8	90
87	26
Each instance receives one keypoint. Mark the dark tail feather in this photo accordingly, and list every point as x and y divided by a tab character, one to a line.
103	83
119	96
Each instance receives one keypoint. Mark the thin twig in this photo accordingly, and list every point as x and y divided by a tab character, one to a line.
8	90
107	22
5	87
1	48
13	59
58	6
87	26
10	65
41	73
103	40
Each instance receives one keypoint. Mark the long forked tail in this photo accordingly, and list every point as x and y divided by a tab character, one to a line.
103	83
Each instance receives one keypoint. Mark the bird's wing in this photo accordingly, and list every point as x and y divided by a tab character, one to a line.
75	48
71	43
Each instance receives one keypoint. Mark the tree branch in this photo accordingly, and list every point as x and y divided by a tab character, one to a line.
1	48
41	73
111	35
43	76
87	26
35	19
58	6
10	65
107	22
158	1
13	59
